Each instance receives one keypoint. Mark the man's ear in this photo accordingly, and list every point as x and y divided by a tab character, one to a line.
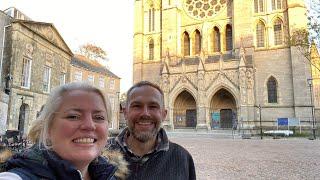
125	113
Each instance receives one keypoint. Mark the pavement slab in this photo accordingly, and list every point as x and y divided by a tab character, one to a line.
253	158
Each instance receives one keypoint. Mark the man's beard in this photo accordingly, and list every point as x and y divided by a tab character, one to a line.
146	135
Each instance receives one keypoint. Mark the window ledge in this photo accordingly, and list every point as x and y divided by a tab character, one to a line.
24	87
278	47
272	104
261	49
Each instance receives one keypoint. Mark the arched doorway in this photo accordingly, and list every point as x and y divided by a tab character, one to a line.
23	115
185	111
223	110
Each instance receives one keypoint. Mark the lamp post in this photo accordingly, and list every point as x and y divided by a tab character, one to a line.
260	121
312	108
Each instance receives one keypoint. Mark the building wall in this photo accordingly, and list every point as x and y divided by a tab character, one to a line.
26	43
4	23
243	71
111	92
315	59
4	98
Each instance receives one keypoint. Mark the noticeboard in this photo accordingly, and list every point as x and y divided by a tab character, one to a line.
294	122
215	117
283	122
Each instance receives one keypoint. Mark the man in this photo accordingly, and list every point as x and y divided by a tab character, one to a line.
145	144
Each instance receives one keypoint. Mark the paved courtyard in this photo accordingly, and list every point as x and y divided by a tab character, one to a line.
253	158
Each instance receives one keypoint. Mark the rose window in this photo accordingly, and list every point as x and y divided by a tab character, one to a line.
202	9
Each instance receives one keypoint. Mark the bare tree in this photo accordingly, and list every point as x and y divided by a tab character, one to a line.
304	38
92	51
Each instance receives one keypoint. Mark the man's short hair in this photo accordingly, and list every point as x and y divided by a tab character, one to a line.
145	83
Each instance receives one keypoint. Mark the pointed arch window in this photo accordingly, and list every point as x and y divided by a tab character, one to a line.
276	4
186	44
260	30
151	19
229	38
272	90
258	6
151	49
197	42
216	40
278	32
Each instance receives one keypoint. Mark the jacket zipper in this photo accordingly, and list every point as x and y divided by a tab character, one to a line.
81	177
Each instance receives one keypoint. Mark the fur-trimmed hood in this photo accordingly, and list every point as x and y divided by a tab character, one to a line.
116	158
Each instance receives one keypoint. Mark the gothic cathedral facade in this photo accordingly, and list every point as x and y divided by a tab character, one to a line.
223	63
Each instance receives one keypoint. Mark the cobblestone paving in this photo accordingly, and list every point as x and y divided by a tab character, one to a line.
253	158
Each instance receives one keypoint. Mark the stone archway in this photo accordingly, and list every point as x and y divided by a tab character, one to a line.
23	115
223	110
185	111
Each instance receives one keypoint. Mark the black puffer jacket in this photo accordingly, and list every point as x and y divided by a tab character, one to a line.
36	163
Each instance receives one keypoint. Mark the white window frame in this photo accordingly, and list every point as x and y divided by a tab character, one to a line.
26	72
112	102
91	79
101	82
278	32
274	3
257	2
62	79
78	76
112	84
46	79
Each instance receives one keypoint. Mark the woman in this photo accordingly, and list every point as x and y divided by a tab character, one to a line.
71	133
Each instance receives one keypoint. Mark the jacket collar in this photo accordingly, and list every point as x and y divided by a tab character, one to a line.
162	140
47	164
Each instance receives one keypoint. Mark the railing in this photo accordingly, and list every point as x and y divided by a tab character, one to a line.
13	140
303	128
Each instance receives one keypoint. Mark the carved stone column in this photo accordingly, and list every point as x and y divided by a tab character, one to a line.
201	110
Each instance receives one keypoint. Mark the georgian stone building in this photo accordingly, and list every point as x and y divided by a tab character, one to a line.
35	60
4	97
223	63
91	71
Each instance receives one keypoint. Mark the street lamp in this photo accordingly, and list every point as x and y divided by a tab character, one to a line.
260	121
312	108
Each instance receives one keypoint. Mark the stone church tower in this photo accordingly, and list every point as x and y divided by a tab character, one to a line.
223	63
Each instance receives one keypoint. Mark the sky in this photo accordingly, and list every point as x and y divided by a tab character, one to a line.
105	23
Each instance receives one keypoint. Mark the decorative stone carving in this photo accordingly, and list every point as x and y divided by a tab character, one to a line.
173	81
201	84
232	76
184	79
49	34
204	9
249	74
165	83
29	50
193	78
242	78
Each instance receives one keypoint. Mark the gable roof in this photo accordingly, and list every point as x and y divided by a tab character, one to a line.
47	31
91	65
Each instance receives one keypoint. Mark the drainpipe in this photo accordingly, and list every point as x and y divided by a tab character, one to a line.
3	41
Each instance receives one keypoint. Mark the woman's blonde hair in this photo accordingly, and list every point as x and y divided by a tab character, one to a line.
38	132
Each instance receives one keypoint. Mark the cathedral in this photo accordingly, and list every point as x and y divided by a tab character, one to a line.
224	63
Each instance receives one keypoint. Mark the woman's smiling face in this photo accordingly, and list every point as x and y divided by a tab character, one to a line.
78	132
